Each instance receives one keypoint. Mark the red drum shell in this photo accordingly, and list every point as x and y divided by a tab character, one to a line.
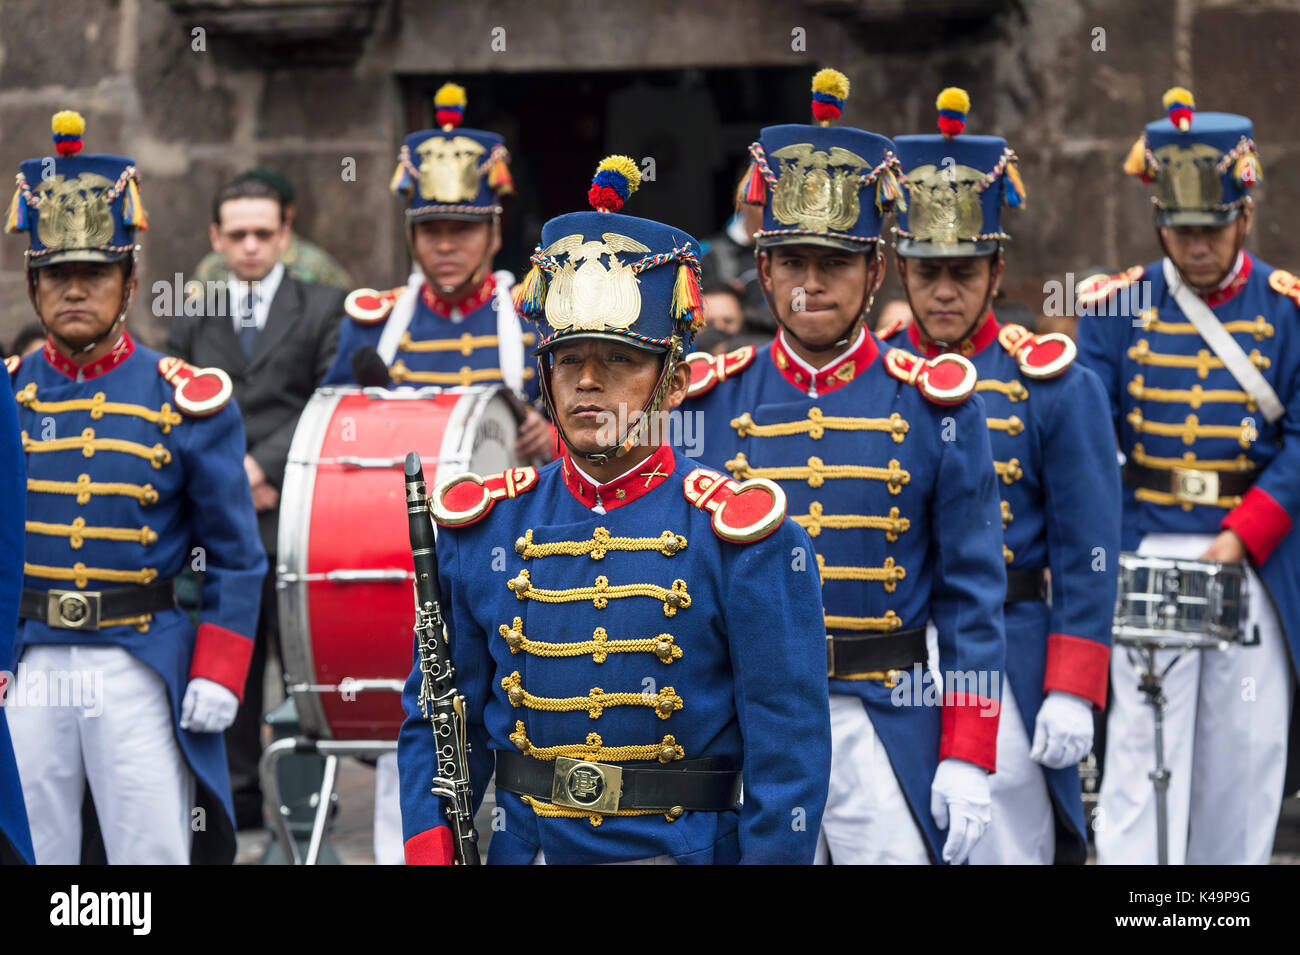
344	578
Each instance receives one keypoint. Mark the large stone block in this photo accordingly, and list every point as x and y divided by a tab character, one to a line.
184	93
58	43
325	104
1243	61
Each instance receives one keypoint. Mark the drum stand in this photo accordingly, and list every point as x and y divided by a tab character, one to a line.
331	750
1150	678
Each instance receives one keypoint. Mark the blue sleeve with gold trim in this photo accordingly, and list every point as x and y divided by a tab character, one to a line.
777	639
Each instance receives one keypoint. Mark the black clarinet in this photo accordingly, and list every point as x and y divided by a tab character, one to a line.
443	706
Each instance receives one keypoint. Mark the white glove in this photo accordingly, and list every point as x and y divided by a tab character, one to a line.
1063	730
960	795
208	707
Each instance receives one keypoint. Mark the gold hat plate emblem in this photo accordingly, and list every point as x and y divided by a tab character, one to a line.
817	190
591	296
1188	177
449	168
74	212
945	203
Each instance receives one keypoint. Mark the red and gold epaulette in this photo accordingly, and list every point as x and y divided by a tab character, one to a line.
743	511
707	370
1039	356
946	379
369	307
466	498
891	328
1284	283
1097	288
13	363
199	391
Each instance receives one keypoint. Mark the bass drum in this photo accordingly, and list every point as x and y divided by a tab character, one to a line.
345	574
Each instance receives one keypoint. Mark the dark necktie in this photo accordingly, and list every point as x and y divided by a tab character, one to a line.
248	325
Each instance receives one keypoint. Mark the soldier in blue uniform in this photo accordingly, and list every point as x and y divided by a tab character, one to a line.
15	838
1208	428
621	605
886	462
1054	452
134	469
453	323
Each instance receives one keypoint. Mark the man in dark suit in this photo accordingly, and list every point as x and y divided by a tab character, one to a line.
275	337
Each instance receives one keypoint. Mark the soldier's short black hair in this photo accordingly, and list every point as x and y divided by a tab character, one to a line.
246	187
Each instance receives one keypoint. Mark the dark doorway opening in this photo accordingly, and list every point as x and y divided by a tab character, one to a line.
695	125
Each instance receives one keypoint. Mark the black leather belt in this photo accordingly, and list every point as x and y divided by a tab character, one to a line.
1025	585
84	609
698	785
873	657
1192	485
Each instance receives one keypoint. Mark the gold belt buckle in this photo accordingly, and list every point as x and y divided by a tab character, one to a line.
581	784
73	609
1193	486
830	657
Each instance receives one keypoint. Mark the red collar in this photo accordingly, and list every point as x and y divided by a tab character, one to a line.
441	307
638	482
835	375
61	362
972	344
1234	284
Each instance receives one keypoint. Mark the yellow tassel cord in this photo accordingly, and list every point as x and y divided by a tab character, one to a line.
1136	163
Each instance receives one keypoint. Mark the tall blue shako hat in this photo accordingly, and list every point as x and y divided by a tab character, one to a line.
1203	164
450	172
604	275
822	185
76	207
956	187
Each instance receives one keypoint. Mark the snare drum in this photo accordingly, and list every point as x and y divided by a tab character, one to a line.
1166	603
344	578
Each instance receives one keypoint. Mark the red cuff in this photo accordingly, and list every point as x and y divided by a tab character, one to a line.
1078	666
1260	521
431	847
222	656
970	730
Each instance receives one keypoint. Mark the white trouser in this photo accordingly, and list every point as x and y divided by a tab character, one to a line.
123	744
389	848
1023	828
866	821
1225	743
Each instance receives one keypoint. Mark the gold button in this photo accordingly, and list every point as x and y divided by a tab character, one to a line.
516	695
671	544
675	812
667	754
514	639
664	650
665	706
520	584
673	598
521	545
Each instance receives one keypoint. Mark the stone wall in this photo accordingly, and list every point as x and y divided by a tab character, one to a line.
1036	70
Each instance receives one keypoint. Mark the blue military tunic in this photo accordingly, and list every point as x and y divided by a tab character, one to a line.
1054	452
1174	405
897	493
444	344
13	814
123	488
637	634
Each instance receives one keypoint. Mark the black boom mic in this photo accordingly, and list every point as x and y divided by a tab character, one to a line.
368	369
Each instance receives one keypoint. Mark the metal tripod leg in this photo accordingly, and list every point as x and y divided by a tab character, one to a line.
1151	686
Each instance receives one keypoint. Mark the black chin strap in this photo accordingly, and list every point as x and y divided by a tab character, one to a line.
634	433
850	332
979	317
1238	245
113	329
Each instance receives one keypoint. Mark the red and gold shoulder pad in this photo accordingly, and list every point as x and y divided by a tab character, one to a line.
369	307
1284	283
13	363
466	498
947	379
1097	288
199	391
891	328
707	370
1039	356
743	511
